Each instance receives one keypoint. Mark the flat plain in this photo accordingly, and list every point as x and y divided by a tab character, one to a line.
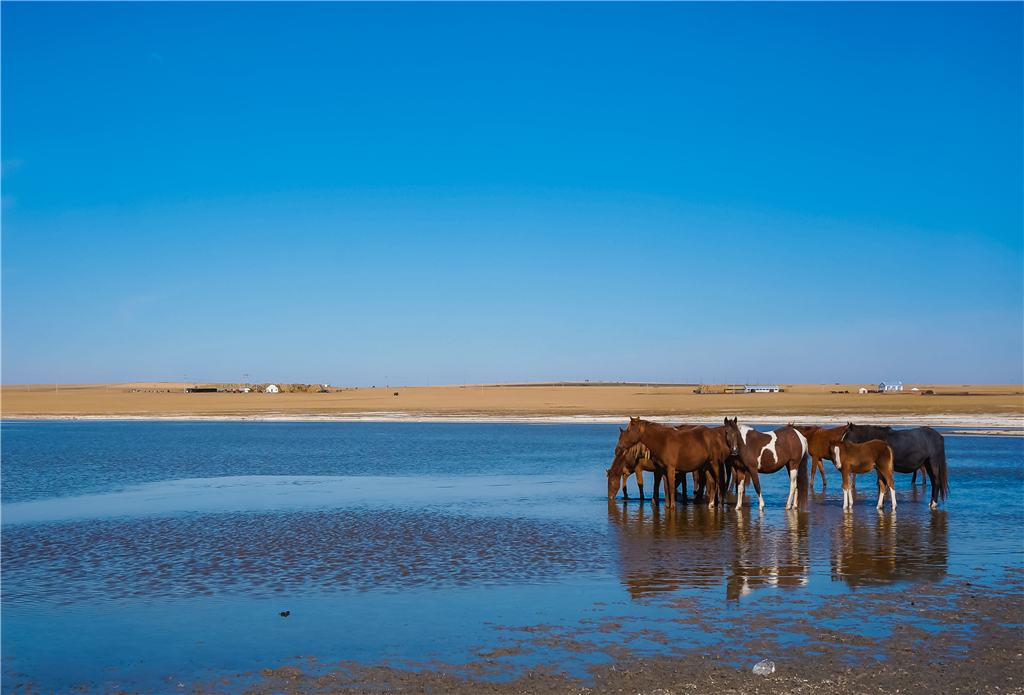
960	405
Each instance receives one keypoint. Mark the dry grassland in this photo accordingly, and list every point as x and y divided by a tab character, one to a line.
963	405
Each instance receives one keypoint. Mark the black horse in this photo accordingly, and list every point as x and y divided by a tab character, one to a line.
911	449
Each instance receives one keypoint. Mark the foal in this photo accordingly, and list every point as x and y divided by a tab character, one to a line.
860	459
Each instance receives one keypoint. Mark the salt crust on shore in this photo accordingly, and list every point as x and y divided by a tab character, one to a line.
978	424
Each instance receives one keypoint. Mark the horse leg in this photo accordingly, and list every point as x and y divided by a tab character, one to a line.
791	500
934	478
657	487
670	487
913	478
755	477
847	490
886	475
625	488
740	481
640	482
711	481
819	464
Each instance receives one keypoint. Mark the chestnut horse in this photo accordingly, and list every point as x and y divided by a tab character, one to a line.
767	452
818	439
911	449
637	459
874	455
675	450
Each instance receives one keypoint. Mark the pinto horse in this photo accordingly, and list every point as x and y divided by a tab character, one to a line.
874	455
911	449
767	452
675	450
818	439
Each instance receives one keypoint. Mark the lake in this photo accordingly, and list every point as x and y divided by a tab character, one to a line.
160	555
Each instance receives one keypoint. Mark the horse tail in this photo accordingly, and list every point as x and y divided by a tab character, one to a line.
940	469
801	482
801	471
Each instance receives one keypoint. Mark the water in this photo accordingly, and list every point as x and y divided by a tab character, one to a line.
144	555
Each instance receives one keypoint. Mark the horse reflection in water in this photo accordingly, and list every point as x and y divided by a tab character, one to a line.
662	552
696	547
772	559
875	548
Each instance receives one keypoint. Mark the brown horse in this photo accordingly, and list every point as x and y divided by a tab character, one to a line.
675	450
874	455
637	459
818	439
767	452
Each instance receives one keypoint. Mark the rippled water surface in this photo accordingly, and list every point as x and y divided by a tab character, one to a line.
137	554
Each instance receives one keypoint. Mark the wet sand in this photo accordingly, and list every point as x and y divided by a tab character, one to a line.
991	407
978	649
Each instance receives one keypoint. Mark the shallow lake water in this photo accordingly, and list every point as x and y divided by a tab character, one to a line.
160	555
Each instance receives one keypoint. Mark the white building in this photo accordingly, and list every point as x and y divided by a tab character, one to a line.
760	388
891	386
863	390
273	389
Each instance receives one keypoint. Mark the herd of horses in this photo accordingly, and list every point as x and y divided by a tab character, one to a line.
738	454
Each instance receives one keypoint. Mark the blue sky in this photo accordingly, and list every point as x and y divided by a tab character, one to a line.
438	193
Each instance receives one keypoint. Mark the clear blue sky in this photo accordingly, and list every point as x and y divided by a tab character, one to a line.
505	192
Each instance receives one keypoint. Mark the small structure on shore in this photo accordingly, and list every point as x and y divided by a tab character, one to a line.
891	386
760	388
272	389
863	390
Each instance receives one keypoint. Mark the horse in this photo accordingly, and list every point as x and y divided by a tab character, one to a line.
637	459
760	452
874	455
818	439
676	450
911	450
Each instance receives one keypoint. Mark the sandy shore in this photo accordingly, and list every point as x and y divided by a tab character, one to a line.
995	408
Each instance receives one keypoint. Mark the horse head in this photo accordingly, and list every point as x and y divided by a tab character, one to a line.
833	448
631	435
846	431
732	436
615	474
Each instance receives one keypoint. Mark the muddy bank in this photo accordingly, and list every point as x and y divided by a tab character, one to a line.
957	638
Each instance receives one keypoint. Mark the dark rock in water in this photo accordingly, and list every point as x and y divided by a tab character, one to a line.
285	614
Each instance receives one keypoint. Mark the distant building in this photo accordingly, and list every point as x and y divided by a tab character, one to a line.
891	386
863	390
273	389
760	388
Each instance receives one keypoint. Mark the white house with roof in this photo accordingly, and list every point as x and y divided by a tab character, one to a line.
273	389
891	386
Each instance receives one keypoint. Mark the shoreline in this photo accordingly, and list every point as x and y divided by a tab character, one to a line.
964	424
